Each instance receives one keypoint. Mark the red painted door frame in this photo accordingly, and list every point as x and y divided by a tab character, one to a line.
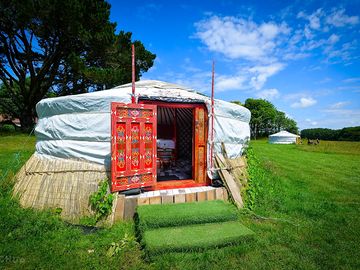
200	143
200	132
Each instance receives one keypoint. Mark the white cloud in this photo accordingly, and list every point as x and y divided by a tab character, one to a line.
311	122
307	32
313	44
333	39
325	80
314	22
342	54
268	94
338	18
296	56
344	117
239	38
262	73
245	78
352	80
224	83
339	105
314	18
265	48
311	37
304	102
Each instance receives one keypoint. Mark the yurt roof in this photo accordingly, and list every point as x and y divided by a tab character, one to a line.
284	134
145	89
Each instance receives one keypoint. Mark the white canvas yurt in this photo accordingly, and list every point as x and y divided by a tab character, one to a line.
283	137
161	141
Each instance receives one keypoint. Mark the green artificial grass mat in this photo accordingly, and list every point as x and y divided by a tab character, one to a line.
195	237
168	215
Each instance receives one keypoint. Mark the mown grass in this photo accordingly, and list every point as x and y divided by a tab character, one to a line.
307	213
195	237
31	239
15	149
340	147
157	216
314	193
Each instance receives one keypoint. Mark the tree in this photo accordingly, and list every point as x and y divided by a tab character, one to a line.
263	114
282	122
290	125
117	66
9	105
266	119
64	45
12	105
345	134
237	102
114	69
38	37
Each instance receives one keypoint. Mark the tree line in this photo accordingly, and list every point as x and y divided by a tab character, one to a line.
61	47
344	134
266	119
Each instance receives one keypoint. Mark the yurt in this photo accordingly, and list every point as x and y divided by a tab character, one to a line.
163	141
283	137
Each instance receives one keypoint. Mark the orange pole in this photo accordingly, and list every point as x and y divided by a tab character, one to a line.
212	117
133	100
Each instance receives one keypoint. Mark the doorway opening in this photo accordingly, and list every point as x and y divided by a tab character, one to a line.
181	144
174	143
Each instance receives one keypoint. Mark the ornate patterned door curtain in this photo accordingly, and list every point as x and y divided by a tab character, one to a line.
133	146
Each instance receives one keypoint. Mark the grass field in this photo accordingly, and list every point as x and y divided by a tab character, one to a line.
310	196
31	239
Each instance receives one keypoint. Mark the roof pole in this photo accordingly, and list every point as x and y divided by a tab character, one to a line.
212	118
133	99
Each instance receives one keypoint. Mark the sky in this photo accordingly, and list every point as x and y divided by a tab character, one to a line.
303	56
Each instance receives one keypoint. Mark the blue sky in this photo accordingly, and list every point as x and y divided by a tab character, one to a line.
303	56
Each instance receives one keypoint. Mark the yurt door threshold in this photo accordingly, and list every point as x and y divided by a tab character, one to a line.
158	145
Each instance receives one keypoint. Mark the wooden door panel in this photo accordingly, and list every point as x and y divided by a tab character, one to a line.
133	145
200	145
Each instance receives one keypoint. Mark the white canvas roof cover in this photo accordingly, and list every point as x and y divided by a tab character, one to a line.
283	137
78	126
284	133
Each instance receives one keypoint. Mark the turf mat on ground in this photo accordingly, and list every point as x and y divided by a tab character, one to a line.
195	237
168	215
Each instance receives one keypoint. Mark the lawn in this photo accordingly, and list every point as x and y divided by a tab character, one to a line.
305	216
31	239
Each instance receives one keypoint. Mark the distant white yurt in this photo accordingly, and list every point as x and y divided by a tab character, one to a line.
283	137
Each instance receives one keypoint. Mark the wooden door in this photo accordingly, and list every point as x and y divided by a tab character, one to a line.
200	145
133	145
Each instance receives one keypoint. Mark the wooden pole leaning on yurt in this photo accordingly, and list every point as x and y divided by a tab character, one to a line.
212	118
133	99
